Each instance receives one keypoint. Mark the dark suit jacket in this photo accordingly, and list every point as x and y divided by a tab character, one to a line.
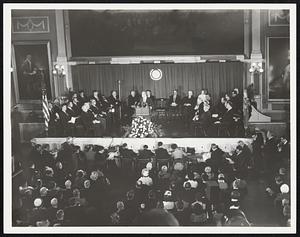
145	154
187	100
177	100
98	101
77	109
95	109
219	109
133	100
149	102
87	119
82	100
205	118
127	153
64	118
71	112
161	153
114	102
104	103
227	119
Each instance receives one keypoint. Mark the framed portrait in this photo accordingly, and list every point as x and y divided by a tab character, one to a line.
31	63
278	68
279	17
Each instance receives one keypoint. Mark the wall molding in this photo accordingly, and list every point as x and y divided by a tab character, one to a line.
30	24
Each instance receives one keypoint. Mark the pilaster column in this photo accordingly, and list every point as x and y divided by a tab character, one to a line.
62	58
256	55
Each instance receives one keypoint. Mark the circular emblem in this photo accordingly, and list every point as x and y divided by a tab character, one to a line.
156	74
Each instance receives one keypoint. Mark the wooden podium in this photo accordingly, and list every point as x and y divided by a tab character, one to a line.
142	111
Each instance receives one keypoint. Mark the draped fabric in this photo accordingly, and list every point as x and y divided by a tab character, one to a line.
217	78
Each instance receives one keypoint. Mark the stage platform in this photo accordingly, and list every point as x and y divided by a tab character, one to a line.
200	144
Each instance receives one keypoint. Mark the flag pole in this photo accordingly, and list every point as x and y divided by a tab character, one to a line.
119	84
45	109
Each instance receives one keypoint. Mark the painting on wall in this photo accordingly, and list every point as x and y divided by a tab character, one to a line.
279	17
278	68
32	70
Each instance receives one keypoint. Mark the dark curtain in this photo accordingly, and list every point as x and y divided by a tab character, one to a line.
217	78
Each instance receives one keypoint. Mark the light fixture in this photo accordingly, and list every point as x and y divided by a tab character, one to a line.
59	70
256	67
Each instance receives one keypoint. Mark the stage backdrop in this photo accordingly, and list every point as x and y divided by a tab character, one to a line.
217	77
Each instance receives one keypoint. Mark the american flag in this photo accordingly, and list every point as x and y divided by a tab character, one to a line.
45	109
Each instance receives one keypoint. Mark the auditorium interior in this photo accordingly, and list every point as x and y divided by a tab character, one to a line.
150	118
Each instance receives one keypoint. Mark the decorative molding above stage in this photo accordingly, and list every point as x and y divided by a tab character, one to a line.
31	24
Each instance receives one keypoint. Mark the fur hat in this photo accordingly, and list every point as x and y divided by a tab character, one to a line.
38	202
284	188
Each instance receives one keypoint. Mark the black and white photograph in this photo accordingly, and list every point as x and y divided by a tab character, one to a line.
146	118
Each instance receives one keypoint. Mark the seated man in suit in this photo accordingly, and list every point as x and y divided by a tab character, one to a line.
82	98
53	122
220	108
161	153
70	109
127	153
90	124
96	96
98	113
204	119
174	100
132	102
145	100
188	104
76	106
145	153
227	121
64	119
151	98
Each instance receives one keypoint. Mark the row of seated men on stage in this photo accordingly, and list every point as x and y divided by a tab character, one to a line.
96	115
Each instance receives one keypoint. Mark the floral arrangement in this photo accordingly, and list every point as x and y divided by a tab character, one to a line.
142	127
